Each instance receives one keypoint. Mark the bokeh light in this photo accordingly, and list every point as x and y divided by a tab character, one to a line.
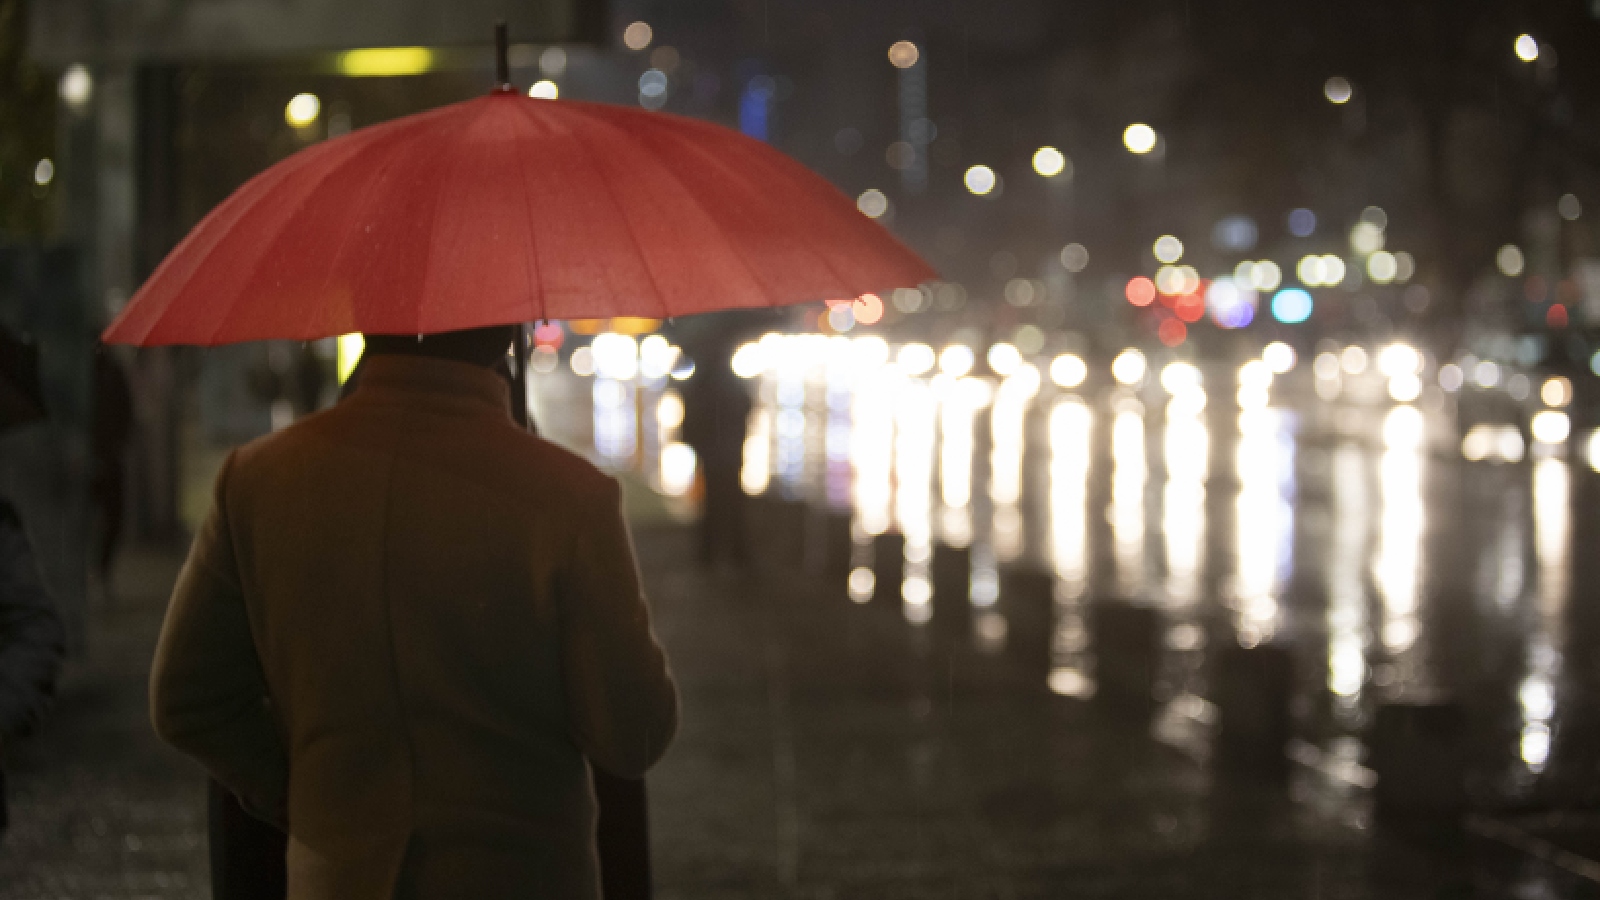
1074	258
1508	259
1550	427
1140	291
1068	370
638	36
749	360
980	180
915	359
1320	271
1291	306
1337	90
302	110
1396	359
1167	249
1302	222
1279	357
1139	138
1366	237
903	54
1382	267
76	86
553	62
1231	305
872	203
1004	359
1556	391
544	90
1353	360
1526	48
1049	162
957	360
1172	332
1128	367
842	317
868	309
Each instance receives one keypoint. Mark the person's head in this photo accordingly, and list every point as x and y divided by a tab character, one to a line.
484	347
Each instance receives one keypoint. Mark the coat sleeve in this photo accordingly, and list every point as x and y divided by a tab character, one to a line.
31	637
622	703
208	694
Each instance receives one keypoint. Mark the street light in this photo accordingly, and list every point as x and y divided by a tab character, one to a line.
1527	48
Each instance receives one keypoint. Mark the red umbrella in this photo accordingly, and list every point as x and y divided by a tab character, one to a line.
511	209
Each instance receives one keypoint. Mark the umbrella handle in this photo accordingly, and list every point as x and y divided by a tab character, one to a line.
519	382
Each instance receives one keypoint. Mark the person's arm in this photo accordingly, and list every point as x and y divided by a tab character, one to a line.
32	640
622	703
208	694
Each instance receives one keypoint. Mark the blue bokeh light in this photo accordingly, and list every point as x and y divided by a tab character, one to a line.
1302	222
1291	306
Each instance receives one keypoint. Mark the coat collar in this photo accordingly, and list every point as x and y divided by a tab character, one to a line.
388	376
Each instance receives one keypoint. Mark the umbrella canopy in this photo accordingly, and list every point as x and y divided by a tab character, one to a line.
510	209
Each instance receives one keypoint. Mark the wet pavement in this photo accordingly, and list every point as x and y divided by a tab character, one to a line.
828	749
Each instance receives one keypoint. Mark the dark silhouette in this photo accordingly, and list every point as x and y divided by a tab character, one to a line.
507	597
716	412
108	443
32	640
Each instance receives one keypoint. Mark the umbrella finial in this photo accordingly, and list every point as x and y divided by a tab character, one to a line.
502	62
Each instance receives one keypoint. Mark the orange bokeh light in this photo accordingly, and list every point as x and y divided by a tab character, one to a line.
1172	332
1190	307
1556	316
1141	291
868	309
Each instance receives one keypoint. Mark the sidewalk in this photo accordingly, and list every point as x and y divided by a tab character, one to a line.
827	751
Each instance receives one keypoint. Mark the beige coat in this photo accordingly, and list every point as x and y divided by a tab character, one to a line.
401	632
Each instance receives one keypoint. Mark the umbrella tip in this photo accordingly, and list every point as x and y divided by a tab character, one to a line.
502	61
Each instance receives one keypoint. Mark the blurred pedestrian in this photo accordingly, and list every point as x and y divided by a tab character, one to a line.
716	412
32	641
430	616
108	446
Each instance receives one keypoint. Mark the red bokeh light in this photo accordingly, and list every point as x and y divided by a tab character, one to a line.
549	334
1141	291
1190	307
1172	332
868	309
1556	316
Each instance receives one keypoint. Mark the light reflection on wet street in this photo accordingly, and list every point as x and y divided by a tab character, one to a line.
993	519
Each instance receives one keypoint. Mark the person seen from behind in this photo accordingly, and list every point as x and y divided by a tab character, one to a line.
716	410
406	631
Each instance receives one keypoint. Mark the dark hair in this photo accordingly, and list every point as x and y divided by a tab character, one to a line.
479	346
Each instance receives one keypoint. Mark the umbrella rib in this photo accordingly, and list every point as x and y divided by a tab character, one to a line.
367	191
772	300
732	174
170	308
440	186
533	239
288	221
627	224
